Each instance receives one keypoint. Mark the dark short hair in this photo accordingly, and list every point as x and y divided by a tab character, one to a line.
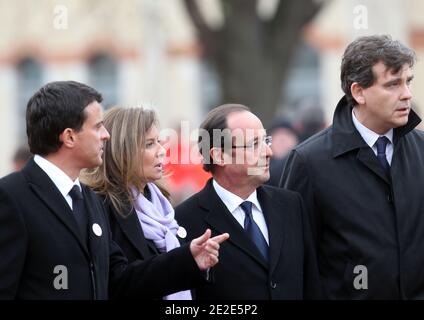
216	119
52	109
363	53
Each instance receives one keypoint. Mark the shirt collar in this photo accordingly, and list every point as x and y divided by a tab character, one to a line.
233	201
60	179
369	136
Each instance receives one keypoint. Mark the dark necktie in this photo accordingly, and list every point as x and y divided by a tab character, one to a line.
79	211
253	230
381	144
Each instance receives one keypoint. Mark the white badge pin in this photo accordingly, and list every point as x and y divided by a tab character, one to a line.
97	229
181	232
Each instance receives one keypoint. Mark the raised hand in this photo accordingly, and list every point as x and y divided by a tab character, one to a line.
205	250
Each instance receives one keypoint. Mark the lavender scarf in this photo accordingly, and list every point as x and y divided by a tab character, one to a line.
159	225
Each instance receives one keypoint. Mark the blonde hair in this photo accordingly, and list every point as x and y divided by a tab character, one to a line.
122	157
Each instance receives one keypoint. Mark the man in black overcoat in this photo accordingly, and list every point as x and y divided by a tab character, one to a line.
362	179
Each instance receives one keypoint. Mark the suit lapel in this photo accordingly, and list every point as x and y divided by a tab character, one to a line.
95	225
48	193
131	227
221	220
276	227
368	158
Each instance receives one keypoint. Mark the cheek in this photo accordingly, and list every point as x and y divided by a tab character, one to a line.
254	158
386	102
148	160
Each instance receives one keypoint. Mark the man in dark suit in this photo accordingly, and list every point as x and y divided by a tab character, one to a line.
55	240
270	253
362	179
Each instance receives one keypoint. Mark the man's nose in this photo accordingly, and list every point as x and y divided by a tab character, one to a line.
266	150
406	92
105	135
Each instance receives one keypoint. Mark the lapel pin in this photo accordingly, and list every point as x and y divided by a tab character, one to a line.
97	229
181	232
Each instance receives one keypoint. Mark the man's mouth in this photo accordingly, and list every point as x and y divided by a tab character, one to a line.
403	109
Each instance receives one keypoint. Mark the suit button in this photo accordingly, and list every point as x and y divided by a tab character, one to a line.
273	285
389	198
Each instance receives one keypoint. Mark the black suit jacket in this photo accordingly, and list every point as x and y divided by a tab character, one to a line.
242	272
39	233
128	234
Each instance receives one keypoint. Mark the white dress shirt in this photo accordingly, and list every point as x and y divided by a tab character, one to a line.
60	179
232	202
370	137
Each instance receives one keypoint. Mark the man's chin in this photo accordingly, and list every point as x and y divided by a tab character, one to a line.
400	122
259	171
266	176
95	164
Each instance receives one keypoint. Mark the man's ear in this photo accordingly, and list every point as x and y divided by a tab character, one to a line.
357	93
217	156
67	137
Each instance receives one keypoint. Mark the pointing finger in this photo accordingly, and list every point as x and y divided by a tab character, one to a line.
221	238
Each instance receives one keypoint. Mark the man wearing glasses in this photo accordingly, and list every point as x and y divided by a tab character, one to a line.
270	253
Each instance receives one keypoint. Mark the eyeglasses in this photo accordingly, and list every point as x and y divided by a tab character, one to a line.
256	143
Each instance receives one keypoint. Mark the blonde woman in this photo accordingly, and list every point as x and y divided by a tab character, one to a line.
141	217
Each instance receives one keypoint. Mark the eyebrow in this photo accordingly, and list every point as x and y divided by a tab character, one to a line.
397	79
392	81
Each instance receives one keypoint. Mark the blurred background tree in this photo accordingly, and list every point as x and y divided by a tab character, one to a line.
250	54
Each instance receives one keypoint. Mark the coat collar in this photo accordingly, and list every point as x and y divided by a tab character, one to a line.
220	219
345	137
130	226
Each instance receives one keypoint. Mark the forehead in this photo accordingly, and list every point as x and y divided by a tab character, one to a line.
383	73
152	132
93	112
243	120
